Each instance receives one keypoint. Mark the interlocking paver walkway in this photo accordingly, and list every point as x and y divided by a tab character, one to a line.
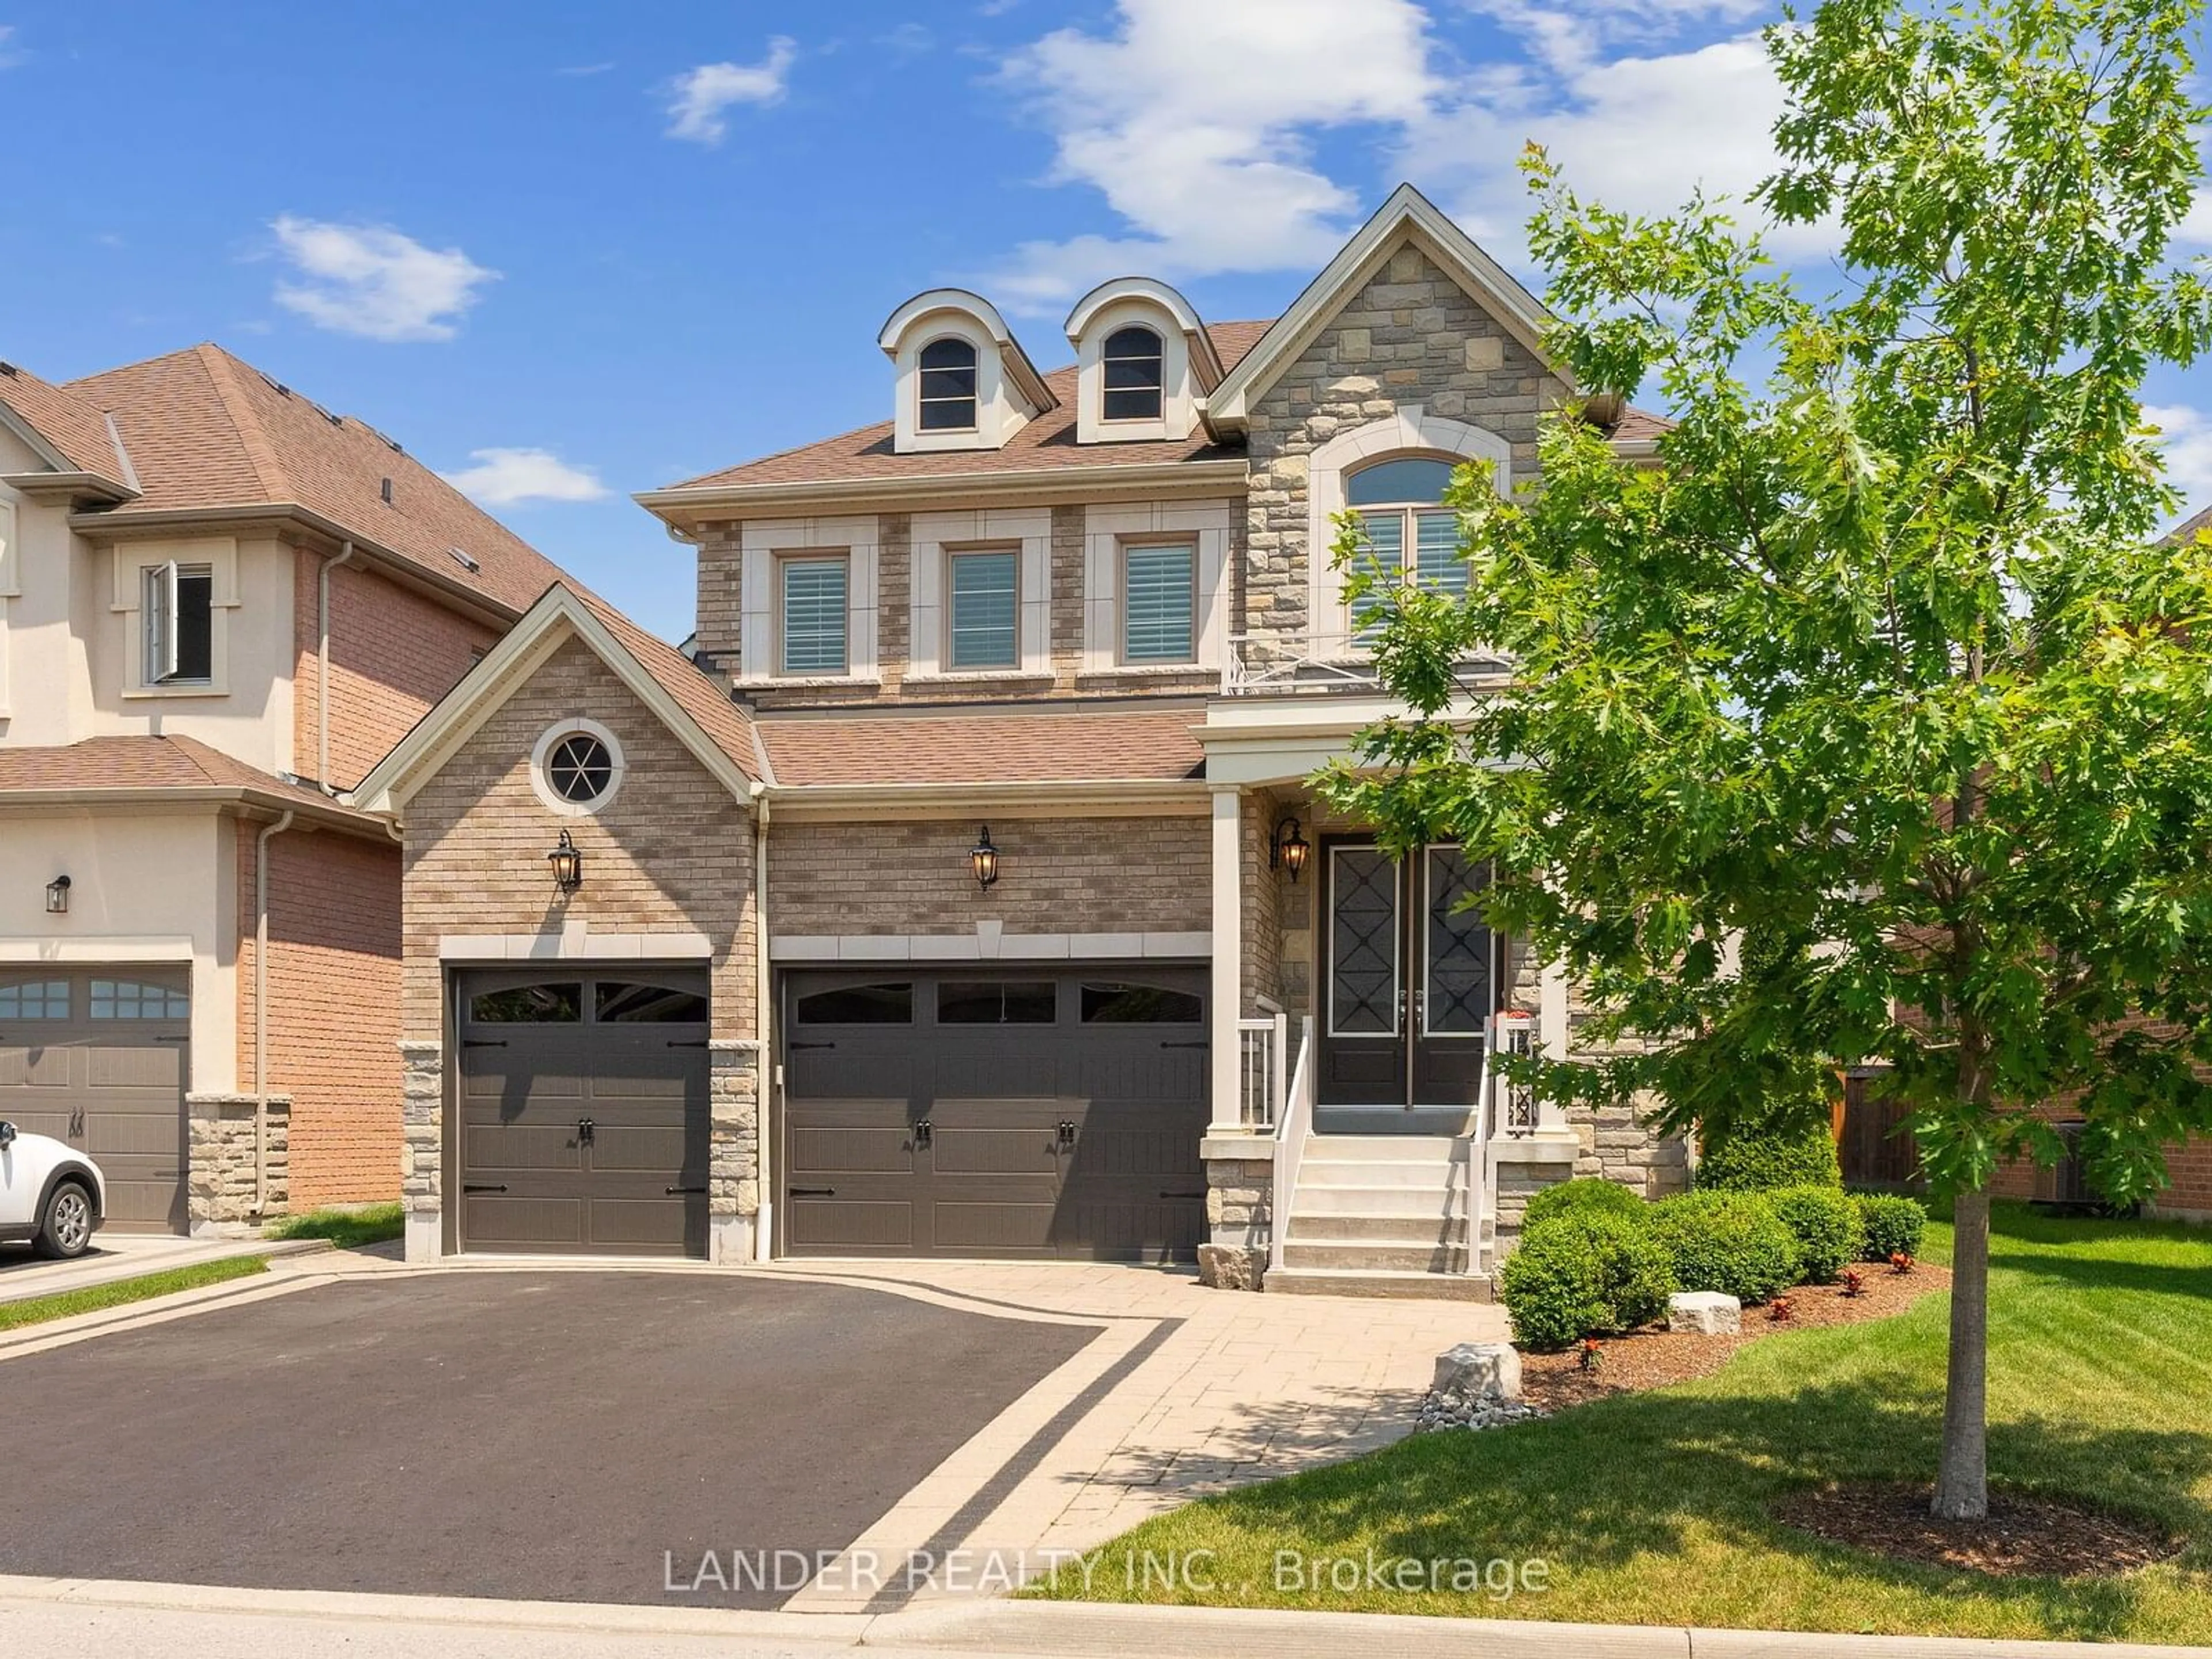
1187	1391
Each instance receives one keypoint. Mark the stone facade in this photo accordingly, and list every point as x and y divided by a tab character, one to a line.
220	1188
734	1189
671	854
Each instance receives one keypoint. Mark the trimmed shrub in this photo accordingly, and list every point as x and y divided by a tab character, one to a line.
1764	1158
1590	1193
1891	1224
1586	1273
1553	1288
1732	1243
1826	1225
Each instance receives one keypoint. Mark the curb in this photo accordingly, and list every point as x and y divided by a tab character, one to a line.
1062	1629
150	1311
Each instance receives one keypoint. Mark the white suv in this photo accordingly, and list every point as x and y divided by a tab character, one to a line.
50	1193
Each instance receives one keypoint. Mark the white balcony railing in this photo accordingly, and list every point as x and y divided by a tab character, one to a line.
1272	663
1260	1082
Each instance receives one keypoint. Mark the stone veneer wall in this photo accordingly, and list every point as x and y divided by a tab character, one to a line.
1410	335
671	854
219	1186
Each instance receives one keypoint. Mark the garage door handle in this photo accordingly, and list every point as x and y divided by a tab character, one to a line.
484	1187
700	1043
810	1192
1167	1195
795	1047
673	1191
1200	1043
483	1042
172	1039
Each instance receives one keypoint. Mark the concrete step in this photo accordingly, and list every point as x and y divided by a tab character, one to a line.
1366	1255
1405	1287
1389	1149
1376	1226
1436	1203
1379	1172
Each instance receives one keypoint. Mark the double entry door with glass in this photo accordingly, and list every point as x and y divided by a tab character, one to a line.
1411	975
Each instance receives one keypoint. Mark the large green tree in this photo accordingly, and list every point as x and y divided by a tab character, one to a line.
1880	662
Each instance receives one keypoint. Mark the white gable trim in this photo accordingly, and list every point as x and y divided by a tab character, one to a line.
556	618
1407	215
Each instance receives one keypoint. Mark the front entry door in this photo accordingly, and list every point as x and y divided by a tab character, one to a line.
1411	975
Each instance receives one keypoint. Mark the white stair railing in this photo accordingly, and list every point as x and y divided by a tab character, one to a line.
1260	1083
1293	1124
1505	1108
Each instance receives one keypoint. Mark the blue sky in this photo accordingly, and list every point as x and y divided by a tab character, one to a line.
566	250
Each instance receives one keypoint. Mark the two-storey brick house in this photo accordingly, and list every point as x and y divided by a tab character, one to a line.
966	897
219	605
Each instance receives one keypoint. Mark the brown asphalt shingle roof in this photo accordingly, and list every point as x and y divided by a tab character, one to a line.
135	763
71	425
2190	527
1046	442
207	430
726	724
1078	745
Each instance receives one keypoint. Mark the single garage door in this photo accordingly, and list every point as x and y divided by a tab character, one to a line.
995	1114
583	1111
96	1057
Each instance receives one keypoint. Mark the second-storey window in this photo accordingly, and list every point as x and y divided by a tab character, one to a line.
982	609
1159	603
178	609
948	386
1408	532
1134	385
812	625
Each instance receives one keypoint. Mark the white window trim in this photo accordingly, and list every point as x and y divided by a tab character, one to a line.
1409	428
936	537
541	786
219	557
11	558
1000	411
1210	524
762	542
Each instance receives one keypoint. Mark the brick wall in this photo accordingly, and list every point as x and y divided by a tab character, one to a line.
333	1006
1056	876
393	654
1410	336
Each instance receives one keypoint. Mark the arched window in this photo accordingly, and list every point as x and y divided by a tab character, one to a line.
948	385
1409	532
1134	386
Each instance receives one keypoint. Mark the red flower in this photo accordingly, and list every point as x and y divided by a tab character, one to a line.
1854	1282
1778	1310
1900	1263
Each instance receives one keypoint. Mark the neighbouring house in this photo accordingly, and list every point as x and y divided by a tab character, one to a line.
957	890
218	604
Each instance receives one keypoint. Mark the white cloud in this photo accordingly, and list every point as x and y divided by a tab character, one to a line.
371	280
2187	437
507	477
698	97
10	56
1194	121
2196	225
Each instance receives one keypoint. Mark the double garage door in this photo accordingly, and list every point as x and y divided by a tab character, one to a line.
994	1115
96	1057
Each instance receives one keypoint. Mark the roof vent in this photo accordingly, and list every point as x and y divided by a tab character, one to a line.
9	370
384	490
466	562
278	386
335	420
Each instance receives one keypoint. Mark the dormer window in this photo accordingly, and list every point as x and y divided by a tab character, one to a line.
948	386
1135	388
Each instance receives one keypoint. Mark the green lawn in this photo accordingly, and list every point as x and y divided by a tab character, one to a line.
1651	1508
371	1224
37	1310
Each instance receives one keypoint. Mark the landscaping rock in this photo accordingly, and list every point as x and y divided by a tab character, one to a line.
1704	1313
1231	1267
1440	1412
1482	1373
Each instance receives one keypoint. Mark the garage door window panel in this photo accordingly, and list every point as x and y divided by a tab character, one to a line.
857	1004
560	1004
1133	1004
126	998
620	1003
998	1002
35	999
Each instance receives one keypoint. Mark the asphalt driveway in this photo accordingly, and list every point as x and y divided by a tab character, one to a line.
551	1437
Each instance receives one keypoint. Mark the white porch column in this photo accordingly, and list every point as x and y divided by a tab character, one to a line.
1552	1036
1225	1047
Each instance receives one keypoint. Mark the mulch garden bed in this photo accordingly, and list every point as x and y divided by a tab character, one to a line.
1654	1357
2023	1537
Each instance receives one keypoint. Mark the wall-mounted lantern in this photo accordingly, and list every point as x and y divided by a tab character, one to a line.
568	864
1289	848
58	891
983	857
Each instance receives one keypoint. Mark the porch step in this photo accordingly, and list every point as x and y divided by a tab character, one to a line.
1434	1176
1366	1255
1388	1149
1354	1281
1310	1224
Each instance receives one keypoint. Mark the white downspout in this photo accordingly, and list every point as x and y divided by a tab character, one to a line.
323	672
764	1222
261	1010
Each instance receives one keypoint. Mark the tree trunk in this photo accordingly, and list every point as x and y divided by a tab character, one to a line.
1962	1484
